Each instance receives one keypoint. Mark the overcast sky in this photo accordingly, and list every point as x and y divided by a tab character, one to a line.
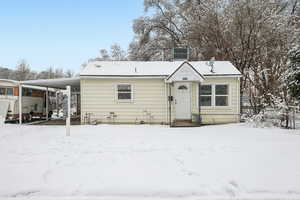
63	33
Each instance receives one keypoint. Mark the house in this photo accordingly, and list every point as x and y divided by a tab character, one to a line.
160	92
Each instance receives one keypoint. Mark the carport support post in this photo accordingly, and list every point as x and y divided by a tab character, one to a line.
20	104
68	119
47	104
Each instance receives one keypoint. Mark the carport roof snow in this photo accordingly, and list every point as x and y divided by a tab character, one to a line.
59	83
155	68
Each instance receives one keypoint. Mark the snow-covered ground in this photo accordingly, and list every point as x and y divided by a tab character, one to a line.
148	162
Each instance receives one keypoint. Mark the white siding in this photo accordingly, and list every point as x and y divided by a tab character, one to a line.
215	115
98	96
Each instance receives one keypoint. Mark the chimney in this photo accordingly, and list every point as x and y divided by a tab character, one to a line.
180	53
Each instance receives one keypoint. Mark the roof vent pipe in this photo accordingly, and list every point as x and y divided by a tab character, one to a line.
211	64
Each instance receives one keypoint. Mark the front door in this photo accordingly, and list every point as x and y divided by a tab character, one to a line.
182	100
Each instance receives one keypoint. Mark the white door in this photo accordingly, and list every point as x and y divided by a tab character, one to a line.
182	100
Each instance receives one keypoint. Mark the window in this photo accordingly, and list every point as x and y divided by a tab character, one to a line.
214	95
205	96
124	92
182	87
6	91
26	92
9	91
2	91
221	95
35	107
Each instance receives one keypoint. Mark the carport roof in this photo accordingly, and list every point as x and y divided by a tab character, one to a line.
59	83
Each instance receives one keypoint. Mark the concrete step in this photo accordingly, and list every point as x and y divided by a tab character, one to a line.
184	123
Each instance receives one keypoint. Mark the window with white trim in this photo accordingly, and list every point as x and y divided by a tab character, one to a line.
205	95
124	92
221	95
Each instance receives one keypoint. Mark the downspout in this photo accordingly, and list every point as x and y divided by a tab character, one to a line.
170	107
167	100
240	102
199	105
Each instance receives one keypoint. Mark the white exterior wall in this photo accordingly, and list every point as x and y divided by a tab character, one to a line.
98	96
216	114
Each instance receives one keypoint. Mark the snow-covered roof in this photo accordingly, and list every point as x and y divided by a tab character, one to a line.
59	83
16	84
10	81
38	88
155	68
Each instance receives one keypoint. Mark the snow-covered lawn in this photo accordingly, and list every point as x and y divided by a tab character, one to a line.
148	162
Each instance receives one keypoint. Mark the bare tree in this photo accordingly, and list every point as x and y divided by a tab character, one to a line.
22	71
254	35
69	73
117	53
104	55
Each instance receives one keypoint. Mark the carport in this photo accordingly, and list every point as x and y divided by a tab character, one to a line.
68	84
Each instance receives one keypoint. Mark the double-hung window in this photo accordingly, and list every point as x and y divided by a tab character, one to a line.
221	95
124	92
205	97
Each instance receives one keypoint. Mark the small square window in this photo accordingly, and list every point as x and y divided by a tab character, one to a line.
9	91
124	92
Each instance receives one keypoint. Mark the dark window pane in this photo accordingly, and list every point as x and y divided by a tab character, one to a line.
124	96
124	88
182	87
180	53
205	90
2	91
26	92
30	92
221	101
221	89
205	101
9	91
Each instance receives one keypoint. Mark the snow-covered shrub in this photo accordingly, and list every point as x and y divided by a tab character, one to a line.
260	120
